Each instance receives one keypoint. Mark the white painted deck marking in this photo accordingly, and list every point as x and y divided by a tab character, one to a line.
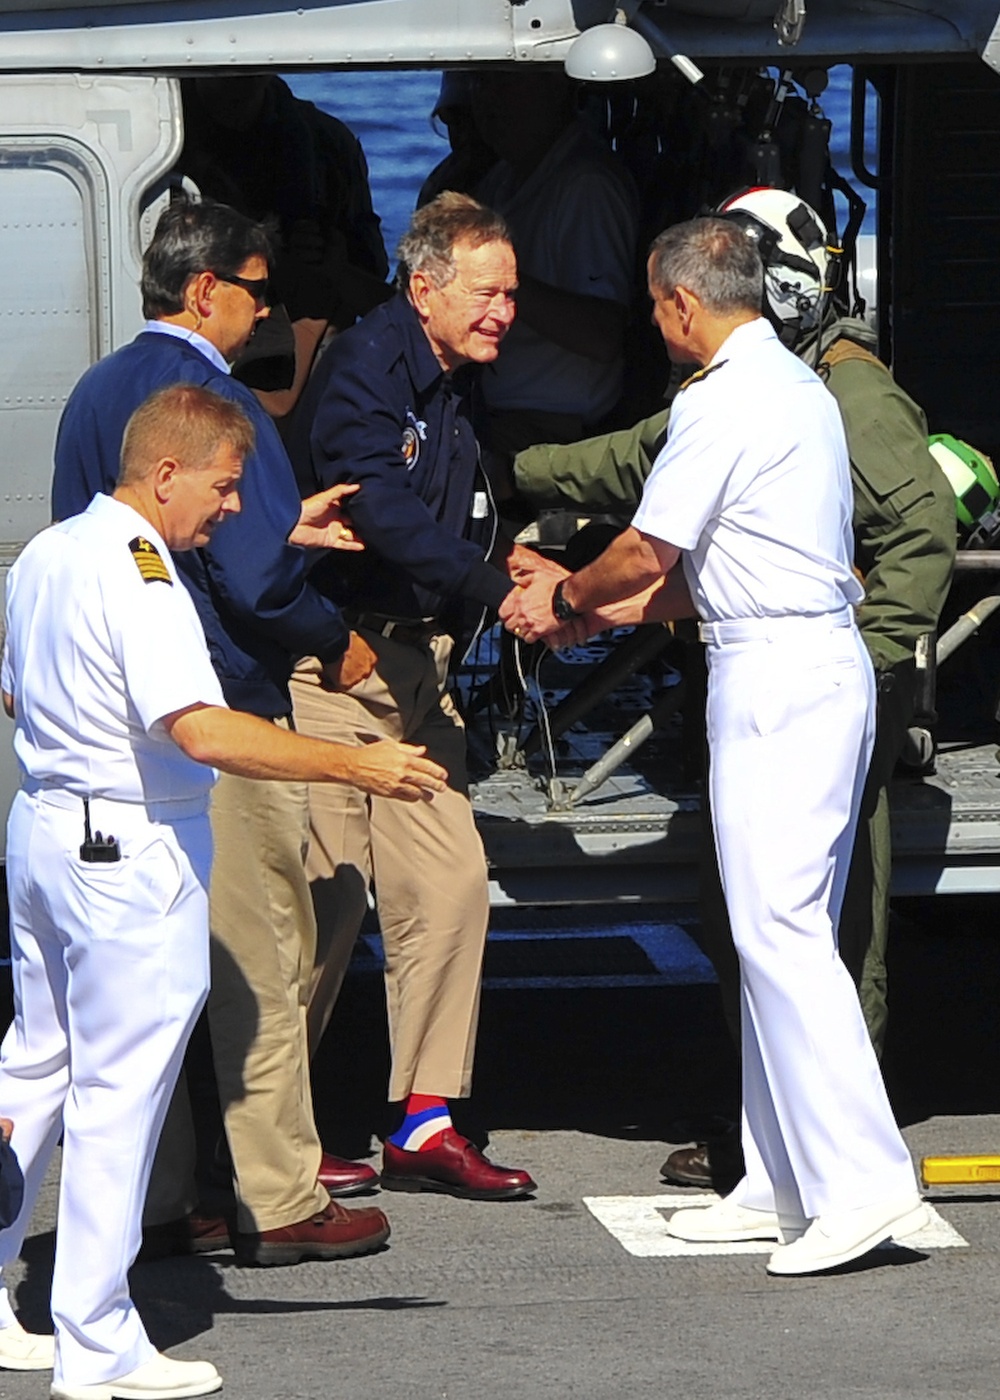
639	1224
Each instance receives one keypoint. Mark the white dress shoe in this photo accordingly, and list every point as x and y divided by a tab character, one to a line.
725	1222
25	1351
841	1236
162	1378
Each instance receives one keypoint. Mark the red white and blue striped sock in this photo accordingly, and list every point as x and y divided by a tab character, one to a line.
426	1121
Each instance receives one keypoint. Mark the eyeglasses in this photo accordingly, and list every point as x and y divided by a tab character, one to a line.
256	286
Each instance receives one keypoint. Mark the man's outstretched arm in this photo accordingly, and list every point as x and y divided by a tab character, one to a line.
250	747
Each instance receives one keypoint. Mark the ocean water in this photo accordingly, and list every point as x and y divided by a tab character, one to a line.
389	112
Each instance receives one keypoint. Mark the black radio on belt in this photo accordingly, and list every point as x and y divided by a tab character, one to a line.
96	847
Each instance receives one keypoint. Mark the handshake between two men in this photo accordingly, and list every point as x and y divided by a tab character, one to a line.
637	579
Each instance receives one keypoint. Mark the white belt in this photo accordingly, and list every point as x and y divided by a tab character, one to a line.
107	811
766	629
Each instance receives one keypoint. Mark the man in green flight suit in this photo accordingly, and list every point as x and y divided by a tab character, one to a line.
905	533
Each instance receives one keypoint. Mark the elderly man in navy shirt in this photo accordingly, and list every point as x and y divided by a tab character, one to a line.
204	284
391	411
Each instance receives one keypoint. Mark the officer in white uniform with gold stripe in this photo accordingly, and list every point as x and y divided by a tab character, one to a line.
118	711
110	955
753	487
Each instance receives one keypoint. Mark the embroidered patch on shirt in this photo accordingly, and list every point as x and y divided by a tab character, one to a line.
414	434
149	561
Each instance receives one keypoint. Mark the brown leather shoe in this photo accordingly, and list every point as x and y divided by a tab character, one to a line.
689	1166
455	1167
716	1165
191	1234
335	1233
342	1178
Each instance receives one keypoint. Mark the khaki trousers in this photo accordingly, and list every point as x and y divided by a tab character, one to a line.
262	952
425	860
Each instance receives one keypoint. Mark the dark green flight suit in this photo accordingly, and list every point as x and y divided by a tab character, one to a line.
904	528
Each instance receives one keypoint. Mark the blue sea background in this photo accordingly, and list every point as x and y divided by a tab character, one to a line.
389	112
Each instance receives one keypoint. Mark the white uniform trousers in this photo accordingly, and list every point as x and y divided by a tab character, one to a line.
790	726
110	970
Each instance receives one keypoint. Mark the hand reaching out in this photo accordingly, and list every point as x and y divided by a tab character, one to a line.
324	522
388	769
527	609
524	564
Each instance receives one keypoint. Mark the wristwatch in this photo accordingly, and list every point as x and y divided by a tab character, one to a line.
561	609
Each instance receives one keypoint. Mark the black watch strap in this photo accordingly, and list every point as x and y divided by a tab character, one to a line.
561	609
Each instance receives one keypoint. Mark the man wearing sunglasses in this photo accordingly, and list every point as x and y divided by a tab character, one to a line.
204	287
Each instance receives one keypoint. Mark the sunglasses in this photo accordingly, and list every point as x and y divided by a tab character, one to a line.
256	286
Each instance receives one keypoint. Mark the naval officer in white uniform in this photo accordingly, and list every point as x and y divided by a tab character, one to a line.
118	713
751	495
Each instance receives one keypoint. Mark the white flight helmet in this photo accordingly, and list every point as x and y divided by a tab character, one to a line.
798	258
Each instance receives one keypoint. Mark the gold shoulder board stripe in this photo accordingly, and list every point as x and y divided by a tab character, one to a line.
701	374
149	561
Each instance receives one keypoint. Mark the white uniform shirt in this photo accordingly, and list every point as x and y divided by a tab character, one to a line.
102	641
753	483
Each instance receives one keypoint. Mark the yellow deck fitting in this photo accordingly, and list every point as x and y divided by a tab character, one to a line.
957	1171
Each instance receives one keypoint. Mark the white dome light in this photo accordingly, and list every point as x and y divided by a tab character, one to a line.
609	53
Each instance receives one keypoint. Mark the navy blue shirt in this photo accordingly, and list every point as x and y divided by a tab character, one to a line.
259	612
390	419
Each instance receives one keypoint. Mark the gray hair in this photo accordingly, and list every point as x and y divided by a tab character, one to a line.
428	245
714	259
